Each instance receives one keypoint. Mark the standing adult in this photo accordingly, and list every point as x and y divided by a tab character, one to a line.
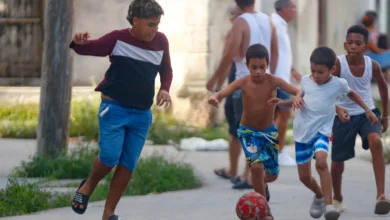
249	28
285	13
137	54
234	144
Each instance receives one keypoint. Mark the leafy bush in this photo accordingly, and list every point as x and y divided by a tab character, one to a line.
154	174
20	198
20	121
73	165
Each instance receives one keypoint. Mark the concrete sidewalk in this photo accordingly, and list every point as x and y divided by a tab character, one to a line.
290	200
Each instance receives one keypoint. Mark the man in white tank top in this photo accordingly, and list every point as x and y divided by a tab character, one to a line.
285	13
248	29
358	70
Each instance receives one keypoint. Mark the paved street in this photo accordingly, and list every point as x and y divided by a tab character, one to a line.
290	200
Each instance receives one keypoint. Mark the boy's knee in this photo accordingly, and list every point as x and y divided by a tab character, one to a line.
271	178
257	168
374	141
321	165
337	167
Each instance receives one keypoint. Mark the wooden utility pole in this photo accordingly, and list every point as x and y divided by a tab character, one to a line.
56	78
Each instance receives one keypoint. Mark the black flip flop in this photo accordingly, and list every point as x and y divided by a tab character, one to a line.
222	173
81	199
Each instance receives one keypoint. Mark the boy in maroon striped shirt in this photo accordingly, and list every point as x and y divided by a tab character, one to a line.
136	54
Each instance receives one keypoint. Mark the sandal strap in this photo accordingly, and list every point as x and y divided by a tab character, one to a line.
81	198
382	198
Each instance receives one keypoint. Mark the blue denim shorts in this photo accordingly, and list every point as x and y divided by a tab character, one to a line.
122	134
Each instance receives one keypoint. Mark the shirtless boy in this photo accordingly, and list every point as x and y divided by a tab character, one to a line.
257	133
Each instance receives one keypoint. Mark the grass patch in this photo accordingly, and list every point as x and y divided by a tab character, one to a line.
73	165
154	174
21	120
20	197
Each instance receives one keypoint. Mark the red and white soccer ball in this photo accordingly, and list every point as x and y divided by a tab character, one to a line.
252	206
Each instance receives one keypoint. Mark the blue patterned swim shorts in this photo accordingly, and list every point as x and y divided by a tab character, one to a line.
261	146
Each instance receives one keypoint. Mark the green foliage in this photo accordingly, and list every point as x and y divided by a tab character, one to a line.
20	197
73	165
154	174
20	121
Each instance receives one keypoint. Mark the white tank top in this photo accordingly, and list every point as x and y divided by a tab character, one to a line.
260	33
361	85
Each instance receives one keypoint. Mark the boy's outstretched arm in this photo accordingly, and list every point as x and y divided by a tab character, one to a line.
356	98
101	47
216	98
297	102
293	90
384	93
279	102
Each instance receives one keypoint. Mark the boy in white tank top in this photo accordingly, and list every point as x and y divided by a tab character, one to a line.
358	70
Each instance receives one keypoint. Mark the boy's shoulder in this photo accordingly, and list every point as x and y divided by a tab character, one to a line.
338	83
269	76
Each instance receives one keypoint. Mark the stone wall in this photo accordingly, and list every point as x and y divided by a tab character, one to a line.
196	30
336	26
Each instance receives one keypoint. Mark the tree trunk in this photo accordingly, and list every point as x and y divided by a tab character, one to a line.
56	78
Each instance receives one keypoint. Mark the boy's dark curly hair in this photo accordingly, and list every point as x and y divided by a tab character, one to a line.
144	9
